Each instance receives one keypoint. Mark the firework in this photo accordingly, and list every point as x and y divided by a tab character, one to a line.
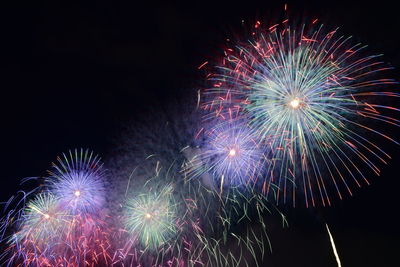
40	233
312	98
43	219
77	180
151	218
229	154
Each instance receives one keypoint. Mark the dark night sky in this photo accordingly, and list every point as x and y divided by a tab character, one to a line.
73	74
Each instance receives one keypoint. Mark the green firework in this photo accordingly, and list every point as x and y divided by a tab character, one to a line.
150	217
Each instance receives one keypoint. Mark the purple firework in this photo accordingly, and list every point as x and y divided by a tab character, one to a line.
77	180
229	155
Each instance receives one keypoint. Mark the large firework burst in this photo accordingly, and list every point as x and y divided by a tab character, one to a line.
312	98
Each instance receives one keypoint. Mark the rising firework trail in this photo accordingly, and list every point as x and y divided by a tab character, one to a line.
333	247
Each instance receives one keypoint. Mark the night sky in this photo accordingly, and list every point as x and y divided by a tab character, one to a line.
73	75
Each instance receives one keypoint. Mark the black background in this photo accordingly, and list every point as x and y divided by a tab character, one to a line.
72	74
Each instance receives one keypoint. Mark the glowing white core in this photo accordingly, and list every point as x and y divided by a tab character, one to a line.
46	216
295	103
77	193
232	152
148	215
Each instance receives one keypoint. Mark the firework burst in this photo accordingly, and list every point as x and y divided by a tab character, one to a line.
151	218
312	97
77	180
42	220
229	154
41	227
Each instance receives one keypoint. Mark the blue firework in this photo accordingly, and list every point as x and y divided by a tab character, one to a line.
229	154
77	179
